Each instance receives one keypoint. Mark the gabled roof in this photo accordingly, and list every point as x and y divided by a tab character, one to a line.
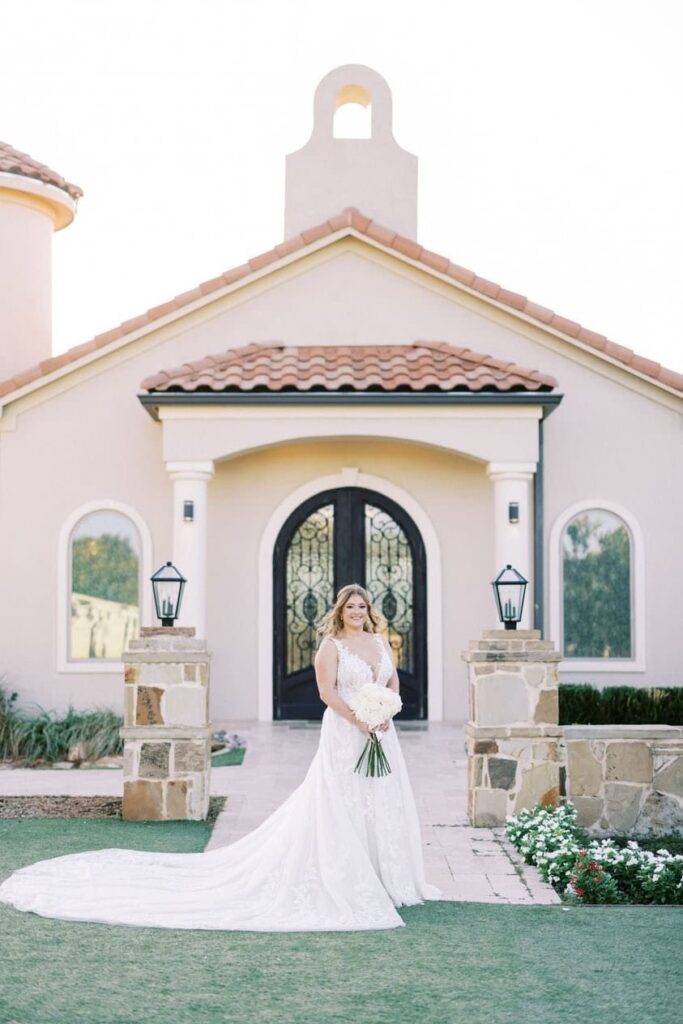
352	222
422	366
12	161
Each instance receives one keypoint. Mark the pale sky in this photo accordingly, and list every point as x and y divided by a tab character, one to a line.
548	135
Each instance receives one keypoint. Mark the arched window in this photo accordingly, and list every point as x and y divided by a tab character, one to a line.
597	586
104	585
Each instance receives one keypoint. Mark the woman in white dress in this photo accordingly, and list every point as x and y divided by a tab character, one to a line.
340	854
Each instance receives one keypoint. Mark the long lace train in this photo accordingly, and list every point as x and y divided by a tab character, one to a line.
341	853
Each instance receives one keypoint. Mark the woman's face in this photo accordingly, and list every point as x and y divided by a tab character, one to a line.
354	612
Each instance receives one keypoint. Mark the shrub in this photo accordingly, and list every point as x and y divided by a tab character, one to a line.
582	704
47	737
598	871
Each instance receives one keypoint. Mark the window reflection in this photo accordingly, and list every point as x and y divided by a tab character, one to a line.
596	586
105	570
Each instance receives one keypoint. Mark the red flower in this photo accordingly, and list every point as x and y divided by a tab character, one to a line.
592	865
579	892
583	853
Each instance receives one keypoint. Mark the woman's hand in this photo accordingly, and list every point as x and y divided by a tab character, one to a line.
368	730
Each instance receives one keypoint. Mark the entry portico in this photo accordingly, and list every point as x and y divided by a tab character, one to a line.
225	406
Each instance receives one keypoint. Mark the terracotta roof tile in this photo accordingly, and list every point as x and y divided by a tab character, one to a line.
541	313
461	274
592	338
570	327
385	236
12	161
624	355
353	219
670	377
291	245
263	259
422	366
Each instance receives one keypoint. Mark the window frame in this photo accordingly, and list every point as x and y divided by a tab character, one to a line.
96	665
636	663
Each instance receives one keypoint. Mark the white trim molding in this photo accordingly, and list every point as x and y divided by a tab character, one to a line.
514	542
191	483
96	666
345	478
637	662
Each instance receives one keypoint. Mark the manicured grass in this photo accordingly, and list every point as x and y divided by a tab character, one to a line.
453	963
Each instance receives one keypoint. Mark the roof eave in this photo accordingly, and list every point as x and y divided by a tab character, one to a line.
151	401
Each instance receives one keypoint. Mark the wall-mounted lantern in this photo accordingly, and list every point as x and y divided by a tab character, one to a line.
513	512
168	586
188	511
509	588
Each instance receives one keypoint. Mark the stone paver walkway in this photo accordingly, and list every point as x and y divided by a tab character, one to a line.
468	864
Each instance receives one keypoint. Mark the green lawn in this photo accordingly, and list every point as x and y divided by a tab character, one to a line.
453	962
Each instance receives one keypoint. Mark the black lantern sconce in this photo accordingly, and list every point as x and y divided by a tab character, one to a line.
188	511
509	588
513	512
168	586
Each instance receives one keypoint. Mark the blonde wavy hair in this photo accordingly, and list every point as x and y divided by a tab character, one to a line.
332	622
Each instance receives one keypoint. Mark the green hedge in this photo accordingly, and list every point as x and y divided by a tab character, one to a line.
582	704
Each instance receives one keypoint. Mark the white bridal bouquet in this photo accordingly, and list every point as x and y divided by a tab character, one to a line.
374	705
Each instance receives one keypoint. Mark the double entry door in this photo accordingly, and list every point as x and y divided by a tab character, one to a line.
347	535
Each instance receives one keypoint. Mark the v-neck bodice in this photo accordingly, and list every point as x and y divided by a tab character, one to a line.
353	671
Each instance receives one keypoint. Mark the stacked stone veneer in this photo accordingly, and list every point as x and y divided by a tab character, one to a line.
166	732
512	735
625	778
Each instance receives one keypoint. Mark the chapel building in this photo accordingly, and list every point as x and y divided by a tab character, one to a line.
348	406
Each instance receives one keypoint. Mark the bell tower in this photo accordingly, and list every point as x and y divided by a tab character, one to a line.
374	174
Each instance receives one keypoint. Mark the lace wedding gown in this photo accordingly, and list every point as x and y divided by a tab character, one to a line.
341	853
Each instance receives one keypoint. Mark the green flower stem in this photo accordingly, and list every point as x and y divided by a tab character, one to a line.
374	758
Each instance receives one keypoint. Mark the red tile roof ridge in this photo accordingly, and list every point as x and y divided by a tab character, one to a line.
331	367
352	219
13	161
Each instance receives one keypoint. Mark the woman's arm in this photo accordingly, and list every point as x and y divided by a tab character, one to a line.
326	677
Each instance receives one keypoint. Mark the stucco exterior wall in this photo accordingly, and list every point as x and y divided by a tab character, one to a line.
87	438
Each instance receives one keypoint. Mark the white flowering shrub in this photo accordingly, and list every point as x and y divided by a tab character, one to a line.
598	871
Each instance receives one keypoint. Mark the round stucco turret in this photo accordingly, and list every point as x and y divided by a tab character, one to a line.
34	202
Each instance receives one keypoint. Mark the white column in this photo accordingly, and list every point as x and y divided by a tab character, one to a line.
513	542
190	484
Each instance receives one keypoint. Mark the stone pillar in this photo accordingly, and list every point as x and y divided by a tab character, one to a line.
513	732
513	542
166	729
190	483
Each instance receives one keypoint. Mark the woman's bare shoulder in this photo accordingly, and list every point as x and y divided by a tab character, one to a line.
327	645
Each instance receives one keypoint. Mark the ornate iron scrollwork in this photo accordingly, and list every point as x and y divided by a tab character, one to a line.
389	580
310	584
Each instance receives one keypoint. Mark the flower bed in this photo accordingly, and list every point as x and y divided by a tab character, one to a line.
597	871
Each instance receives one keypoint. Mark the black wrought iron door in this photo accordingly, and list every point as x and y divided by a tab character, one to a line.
348	535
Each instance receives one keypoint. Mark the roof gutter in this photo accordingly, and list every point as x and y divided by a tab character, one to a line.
153	400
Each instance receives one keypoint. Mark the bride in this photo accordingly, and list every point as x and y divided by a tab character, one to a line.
340	854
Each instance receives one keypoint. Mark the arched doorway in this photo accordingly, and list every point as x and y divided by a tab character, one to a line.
346	535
